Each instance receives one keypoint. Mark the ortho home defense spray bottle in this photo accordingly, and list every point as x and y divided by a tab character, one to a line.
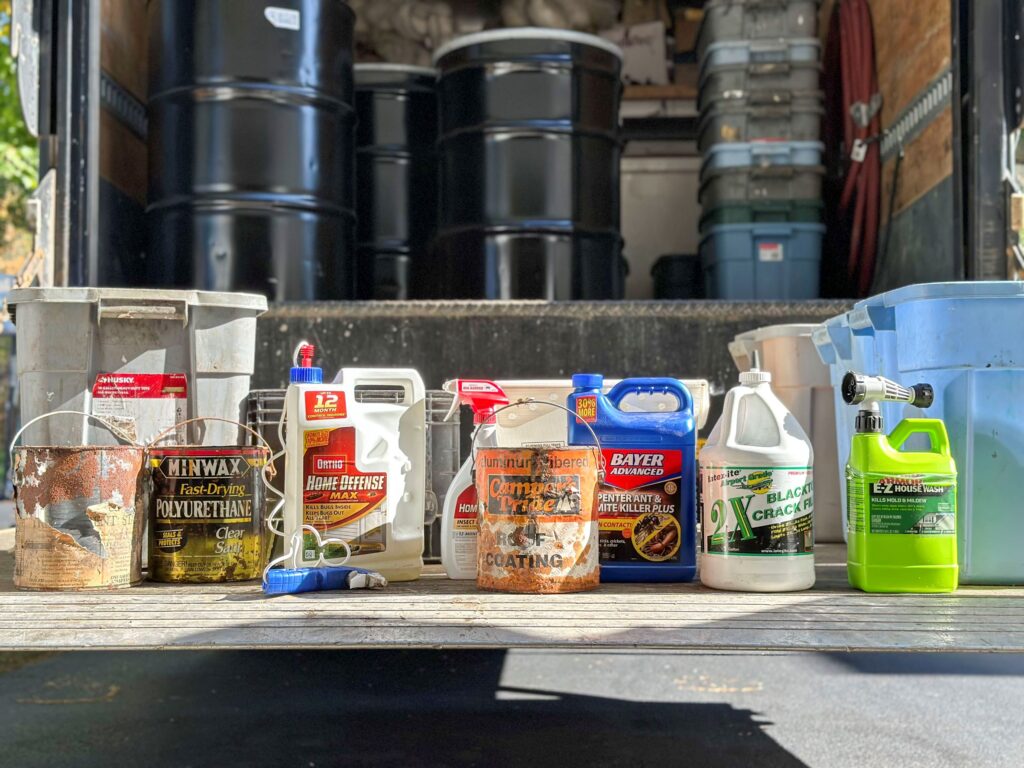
757	494
901	505
647	501
459	522
354	469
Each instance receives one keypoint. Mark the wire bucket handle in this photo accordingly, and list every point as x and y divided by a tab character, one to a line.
534	401
268	468
112	428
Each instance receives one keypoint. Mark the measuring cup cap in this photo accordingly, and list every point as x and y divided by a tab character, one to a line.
753	377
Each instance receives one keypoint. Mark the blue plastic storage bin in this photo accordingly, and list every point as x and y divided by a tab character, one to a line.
851	342
834	341
873	340
762	154
757	20
762	260
967	341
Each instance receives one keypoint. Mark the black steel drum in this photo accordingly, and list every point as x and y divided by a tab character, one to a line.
251	128
396	178
529	162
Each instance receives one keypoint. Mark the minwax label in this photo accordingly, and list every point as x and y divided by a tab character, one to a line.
640	506
922	505
337	499
757	510
206	513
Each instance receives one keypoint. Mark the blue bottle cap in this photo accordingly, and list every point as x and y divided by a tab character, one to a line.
305	372
306	376
587	381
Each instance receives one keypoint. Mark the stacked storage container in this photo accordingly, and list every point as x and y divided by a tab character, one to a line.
760	130
963	339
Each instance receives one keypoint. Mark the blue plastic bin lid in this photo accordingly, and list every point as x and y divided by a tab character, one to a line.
763	229
767	43
832	340
766	147
870	316
985	289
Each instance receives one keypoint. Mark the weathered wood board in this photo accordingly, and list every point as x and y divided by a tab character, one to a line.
438	613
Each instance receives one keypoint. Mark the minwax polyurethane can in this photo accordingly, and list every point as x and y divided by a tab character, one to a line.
206	513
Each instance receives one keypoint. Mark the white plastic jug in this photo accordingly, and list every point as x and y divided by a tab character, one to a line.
757	494
801	381
354	471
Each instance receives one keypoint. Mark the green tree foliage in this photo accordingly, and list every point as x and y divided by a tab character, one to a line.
18	153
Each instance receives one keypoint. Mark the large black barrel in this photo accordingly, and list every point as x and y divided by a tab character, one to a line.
396	178
529	157
251	129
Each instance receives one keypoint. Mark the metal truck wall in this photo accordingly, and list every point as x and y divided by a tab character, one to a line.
251	147
529	164
525	340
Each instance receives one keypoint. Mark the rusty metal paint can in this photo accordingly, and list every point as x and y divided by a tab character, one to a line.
77	523
538	519
206	513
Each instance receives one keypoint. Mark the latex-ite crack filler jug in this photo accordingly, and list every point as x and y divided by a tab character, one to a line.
459	525
647	504
757	495
901	526
354	469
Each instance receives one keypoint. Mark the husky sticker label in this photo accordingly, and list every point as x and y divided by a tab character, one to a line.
757	510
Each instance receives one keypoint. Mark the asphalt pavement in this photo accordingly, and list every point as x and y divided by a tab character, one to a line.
490	708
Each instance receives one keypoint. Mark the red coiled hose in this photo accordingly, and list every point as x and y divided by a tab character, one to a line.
860	201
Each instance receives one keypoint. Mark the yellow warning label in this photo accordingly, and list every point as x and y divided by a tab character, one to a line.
316	438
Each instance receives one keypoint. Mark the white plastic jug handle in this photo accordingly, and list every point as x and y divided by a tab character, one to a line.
406	378
113	429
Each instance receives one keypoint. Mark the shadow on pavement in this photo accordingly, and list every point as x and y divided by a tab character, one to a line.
357	708
981	664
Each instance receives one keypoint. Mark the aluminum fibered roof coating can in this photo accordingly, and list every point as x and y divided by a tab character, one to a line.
538	519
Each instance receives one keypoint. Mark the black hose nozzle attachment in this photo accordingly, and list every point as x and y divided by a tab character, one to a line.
858	388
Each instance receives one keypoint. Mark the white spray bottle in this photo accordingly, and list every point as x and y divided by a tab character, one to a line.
459	523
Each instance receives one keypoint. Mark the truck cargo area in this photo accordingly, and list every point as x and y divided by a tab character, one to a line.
436	612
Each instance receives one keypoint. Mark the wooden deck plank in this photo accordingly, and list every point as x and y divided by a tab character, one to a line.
438	613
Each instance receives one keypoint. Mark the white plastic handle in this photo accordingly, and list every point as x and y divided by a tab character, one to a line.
407	378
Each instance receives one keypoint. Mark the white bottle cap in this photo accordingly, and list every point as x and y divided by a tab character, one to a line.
753	377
